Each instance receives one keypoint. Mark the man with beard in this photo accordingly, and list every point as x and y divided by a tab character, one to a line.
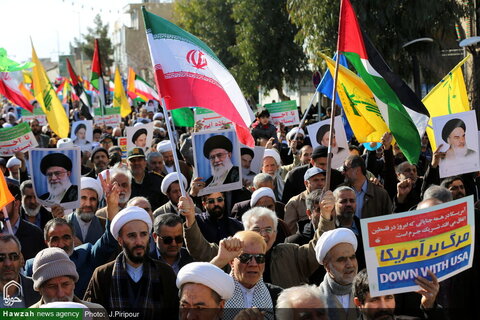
10	265
454	134
455	186
146	184
54	276
86	225
383	307
31	210
41	138
218	150
247	156
335	250
80	140
100	160
214	223
171	188
57	167
134	282
168	237
30	236
165	148
371	200
155	163
323	138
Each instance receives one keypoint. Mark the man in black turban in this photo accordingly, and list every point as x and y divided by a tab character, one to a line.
57	167
454	134
140	138
218	149
80	140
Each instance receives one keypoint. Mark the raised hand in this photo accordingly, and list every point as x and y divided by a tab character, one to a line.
111	191
196	185
230	248
327	205
429	290
186	207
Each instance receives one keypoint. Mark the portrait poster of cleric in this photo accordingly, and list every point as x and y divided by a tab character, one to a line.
217	160
457	134
140	135
56	176
251	162
319	135
82	134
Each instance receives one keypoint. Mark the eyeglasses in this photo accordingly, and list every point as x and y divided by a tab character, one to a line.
168	240
267	230
56	173
218	155
247	257
212	201
13	256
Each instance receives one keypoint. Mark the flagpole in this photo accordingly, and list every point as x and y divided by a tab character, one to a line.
304	118
334	107
174	148
7	220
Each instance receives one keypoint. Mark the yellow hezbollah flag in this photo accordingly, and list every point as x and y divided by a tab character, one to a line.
449	96
46	96
358	104
119	97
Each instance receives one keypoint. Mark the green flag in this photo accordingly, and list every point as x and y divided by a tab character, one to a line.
183	117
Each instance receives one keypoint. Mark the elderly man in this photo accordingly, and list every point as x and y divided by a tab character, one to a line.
171	188
13	166
323	138
57	167
295	209
31	210
214	223
218	150
165	148
30	236
290	264
86	225
245	253
453	133
247	155
168	237
371	200
122	178
134	281
100	160
301	302
335	250
271	164
10	277
204	288
54	276
146	184
383	307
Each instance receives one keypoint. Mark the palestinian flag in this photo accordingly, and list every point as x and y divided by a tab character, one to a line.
402	110
97	78
189	74
85	105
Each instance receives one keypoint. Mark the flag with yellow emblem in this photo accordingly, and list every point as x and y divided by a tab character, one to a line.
119	96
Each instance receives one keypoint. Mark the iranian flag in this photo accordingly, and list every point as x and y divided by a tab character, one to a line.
9	88
402	110
189	74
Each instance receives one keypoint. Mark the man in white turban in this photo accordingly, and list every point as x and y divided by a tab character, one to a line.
133	281
335	250
87	227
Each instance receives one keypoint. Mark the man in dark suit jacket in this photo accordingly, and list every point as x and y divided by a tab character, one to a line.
29	235
31	210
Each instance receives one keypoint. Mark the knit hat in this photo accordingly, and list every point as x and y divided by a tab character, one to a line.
51	263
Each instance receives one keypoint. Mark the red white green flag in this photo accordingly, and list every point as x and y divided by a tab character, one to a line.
402	110
9	89
189	74
96	78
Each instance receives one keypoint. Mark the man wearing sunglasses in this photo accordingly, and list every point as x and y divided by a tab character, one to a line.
214	223
245	253
168	237
11	261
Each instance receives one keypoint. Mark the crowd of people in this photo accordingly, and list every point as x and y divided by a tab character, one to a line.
144	244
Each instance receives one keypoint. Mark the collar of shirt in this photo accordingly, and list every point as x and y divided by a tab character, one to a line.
83	225
14	227
176	265
135	273
247	295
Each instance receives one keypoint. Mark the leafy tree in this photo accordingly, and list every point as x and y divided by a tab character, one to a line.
87	43
389	24
253	38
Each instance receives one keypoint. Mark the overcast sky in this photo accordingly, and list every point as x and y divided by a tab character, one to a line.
52	24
